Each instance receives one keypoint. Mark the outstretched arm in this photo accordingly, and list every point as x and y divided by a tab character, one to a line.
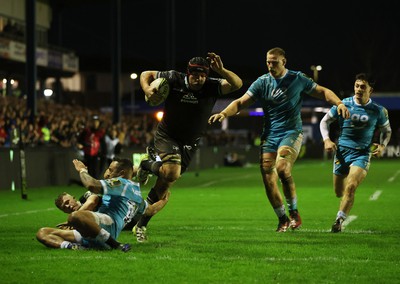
329	96
232	109
88	181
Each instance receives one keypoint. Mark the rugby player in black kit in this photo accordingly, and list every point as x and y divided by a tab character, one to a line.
187	108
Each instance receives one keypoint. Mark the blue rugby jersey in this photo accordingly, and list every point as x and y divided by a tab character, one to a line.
357	132
281	100
122	200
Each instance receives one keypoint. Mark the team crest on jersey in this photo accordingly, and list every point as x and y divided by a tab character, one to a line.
189	98
306	76
113	182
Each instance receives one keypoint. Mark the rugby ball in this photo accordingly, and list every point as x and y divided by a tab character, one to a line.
162	87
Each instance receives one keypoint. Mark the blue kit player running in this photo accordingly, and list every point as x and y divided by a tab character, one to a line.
121	201
355	146
279	92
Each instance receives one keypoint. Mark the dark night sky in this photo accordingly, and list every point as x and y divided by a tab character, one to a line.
344	37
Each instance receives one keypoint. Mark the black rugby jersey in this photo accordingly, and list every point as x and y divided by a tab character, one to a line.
186	112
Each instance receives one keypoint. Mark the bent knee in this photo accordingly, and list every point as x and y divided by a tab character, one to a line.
73	217
42	233
286	156
267	165
170	171
284	169
172	176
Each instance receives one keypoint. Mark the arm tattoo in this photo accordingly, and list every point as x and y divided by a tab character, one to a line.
86	179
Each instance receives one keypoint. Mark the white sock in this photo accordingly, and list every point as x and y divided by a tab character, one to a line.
292	203
341	214
78	237
65	244
103	236
280	211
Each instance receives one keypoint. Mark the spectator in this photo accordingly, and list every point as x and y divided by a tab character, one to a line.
89	140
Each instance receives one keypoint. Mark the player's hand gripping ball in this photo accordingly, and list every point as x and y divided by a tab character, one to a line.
162	87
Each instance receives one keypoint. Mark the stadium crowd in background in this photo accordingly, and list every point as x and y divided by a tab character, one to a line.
60	125
57	124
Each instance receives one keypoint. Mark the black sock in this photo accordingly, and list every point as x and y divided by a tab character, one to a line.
144	220
113	243
152	166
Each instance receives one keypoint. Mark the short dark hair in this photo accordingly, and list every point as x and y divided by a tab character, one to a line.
367	77
277	51
198	64
58	201
124	164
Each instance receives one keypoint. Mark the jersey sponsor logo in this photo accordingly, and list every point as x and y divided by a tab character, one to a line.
187	147
278	95
189	98
359	121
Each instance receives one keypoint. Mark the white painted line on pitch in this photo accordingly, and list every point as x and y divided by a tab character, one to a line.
376	195
222	180
392	178
348	220
26	212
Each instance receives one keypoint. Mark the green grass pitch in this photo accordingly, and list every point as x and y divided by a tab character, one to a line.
219	228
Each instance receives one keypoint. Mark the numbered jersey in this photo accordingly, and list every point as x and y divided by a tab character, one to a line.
121	200
357	132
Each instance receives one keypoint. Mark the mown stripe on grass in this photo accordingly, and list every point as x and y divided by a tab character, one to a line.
238	228
104	256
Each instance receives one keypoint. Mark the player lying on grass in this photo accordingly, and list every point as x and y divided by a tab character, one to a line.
68	204
88	201
121	201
